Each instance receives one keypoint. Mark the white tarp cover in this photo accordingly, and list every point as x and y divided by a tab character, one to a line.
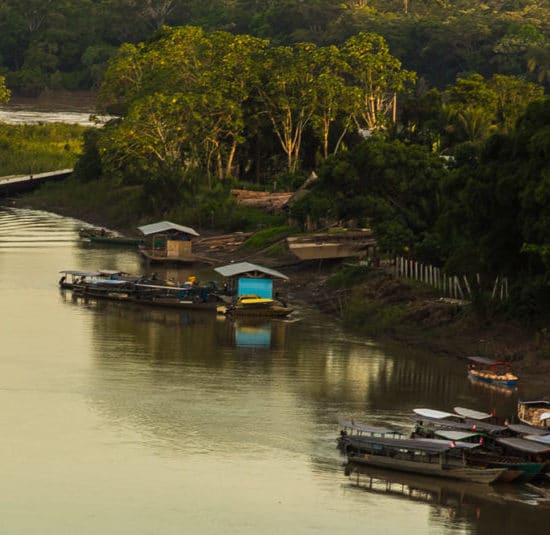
470	413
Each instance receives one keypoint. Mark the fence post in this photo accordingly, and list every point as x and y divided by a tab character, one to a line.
467	286
459	287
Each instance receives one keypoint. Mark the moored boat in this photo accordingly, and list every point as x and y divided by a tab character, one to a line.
535	413
426	457
254	305
103	236
492	372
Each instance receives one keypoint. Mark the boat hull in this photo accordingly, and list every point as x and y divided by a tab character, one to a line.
476	475
508	383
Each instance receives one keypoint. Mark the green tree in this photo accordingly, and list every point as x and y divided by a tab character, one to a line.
4	91
288	97
471	106
379	77
335	99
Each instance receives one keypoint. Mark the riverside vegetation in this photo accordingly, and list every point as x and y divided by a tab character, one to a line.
447	161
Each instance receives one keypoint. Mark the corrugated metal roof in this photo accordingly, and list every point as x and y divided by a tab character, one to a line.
240	268
163	226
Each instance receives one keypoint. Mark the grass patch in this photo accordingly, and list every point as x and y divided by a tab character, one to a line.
269	236
348	276
97	202
31	149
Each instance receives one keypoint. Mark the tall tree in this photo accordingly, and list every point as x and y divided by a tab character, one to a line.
288	96
379	77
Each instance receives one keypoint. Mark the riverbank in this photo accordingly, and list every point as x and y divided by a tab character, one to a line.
381	307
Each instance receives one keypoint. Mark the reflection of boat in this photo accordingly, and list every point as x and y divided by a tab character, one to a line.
491	371
253	335
426	457
428	489
505	390
535	413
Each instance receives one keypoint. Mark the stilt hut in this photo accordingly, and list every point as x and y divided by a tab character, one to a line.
245	278
168	243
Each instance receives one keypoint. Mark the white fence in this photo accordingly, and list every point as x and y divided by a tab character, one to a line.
457	287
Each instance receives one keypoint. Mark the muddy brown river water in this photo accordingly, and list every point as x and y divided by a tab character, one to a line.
133	420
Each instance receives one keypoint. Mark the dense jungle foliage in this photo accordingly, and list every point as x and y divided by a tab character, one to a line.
67	43
426	120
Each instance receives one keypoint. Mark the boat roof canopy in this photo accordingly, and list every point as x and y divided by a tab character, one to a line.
541	439
427	445
431	413
449	434
470	413
77	273
524	429
242	268
489	362
163	226
368	428
527	446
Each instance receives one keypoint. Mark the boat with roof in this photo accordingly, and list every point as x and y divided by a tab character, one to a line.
439	458
107	237
496	372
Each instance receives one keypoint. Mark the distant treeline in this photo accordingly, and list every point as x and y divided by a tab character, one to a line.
66	44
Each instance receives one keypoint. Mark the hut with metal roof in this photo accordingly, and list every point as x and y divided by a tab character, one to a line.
168	242
245	278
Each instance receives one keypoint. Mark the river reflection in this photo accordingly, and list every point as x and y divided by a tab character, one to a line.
119	418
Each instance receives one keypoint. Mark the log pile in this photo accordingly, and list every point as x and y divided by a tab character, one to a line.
263	200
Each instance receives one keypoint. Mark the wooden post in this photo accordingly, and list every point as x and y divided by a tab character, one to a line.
468	289
460	292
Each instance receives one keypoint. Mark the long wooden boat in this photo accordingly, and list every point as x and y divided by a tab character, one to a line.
103	236
425	457
492	372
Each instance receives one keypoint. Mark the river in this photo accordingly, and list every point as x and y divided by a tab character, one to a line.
127	420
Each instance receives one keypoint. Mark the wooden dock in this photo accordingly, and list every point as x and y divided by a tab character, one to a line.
13	184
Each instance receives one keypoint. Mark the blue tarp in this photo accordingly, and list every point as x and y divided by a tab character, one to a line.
260	287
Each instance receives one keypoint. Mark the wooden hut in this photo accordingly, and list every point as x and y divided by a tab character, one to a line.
168	243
